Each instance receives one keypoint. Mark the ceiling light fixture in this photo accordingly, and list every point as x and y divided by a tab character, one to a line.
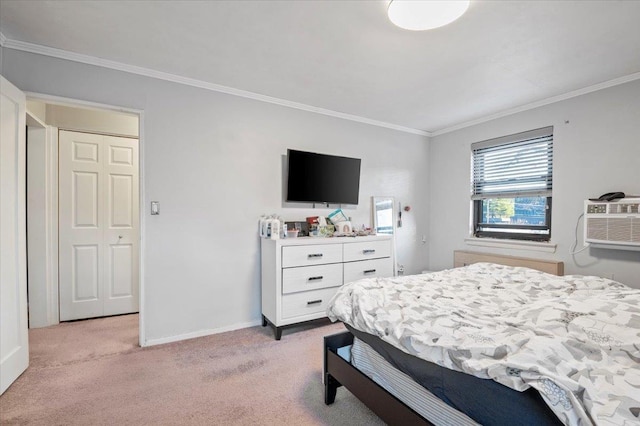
417	15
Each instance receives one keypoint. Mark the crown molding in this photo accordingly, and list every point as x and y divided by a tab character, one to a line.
543	102
147	72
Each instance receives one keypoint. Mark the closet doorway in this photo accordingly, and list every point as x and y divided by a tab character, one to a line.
83	217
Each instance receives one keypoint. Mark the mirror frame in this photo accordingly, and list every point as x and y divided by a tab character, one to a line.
374	217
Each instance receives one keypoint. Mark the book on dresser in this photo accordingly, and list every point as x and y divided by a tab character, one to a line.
300	275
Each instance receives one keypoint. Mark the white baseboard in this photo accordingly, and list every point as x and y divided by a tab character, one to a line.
201	333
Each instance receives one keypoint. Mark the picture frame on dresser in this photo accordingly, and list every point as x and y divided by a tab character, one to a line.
300	275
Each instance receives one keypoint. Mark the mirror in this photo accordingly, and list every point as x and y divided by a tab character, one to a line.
383	215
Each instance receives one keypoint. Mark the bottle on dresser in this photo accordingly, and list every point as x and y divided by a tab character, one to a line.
271	227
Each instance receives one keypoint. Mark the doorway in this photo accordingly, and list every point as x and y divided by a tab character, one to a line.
60	275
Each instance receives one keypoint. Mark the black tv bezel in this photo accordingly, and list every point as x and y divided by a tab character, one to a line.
334	201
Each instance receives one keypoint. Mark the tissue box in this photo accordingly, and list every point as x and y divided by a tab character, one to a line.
337	216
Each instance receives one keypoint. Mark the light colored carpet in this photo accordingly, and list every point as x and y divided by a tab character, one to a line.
93	373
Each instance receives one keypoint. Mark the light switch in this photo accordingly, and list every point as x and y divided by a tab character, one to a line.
155	207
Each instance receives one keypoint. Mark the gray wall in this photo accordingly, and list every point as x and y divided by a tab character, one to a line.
596	150
214	162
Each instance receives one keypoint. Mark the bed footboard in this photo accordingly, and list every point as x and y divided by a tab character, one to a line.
339	372
331	358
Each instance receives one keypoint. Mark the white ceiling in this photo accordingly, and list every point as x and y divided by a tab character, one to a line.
345	56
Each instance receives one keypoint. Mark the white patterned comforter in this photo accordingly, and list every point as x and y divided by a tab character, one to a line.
575	339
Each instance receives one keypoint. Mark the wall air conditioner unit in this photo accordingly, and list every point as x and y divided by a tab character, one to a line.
614	225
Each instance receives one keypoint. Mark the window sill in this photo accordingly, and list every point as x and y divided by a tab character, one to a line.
512	244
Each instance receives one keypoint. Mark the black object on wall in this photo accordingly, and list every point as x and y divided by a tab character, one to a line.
321	178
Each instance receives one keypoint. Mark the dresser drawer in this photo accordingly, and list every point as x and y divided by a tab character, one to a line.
367	250
311	255
306	302
306	278
354	271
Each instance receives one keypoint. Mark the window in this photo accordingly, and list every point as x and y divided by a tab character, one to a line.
512	184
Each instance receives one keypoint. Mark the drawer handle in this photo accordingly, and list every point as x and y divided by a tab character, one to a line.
314	255
368	251
319	277
314	302
369	271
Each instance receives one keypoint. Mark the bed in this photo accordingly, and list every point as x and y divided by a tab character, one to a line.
489	344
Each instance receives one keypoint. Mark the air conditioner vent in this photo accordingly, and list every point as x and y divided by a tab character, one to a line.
623	208
597	229
619	229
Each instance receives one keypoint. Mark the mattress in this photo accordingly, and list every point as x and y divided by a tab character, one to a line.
427	387
400	385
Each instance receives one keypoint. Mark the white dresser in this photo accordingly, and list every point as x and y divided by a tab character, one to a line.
300	275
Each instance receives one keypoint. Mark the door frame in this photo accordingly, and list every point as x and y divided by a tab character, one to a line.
43	302
52	207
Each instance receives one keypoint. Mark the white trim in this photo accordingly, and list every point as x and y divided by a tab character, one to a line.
43	294
33	118
52	225
543	102
141	234
105	63
202	333
3	40
512	244
37	215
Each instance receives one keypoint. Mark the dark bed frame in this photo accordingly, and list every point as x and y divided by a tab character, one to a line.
338	372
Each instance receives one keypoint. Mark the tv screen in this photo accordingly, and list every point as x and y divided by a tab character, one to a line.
320	178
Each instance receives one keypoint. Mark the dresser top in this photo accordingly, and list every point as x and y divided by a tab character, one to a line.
303	241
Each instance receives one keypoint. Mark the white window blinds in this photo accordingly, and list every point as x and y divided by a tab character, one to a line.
519	165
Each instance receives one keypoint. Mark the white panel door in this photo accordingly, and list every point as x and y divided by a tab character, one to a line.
98	225
121	231
81	225
14	339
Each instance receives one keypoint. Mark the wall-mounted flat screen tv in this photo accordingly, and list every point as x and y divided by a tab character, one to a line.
321	178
